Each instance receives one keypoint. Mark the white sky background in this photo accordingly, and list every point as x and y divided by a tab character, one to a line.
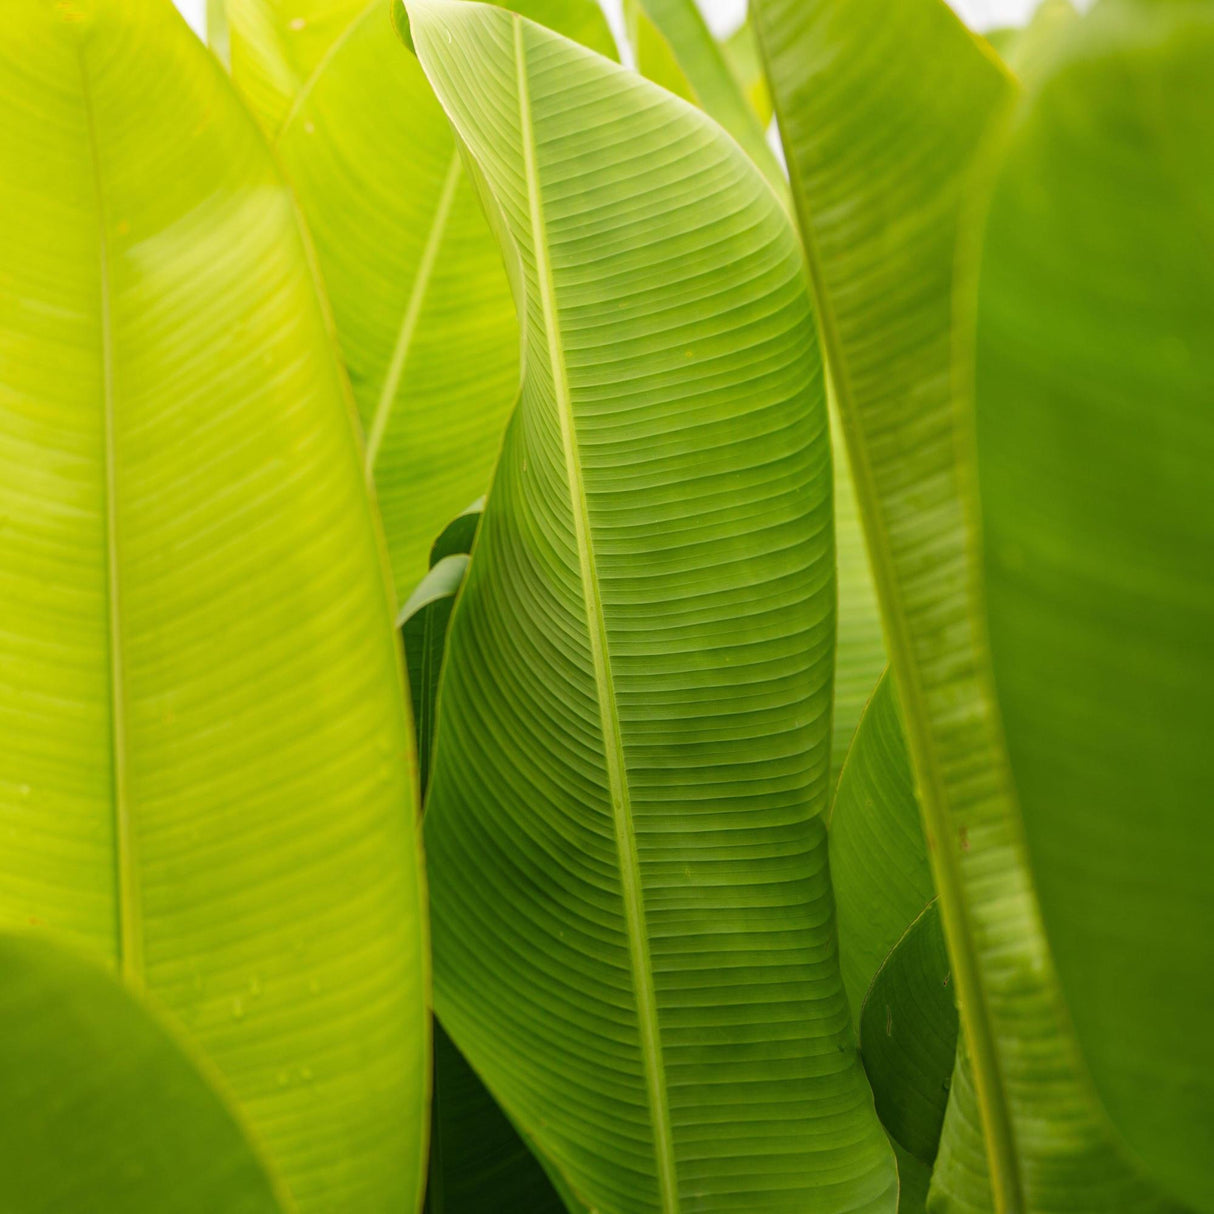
726	15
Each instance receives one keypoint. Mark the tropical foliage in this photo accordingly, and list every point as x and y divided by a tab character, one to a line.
559	658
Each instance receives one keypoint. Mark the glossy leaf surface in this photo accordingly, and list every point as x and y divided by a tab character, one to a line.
102	1110
206	757
632	750
1094	382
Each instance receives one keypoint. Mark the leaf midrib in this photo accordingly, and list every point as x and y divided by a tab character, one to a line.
126	855
413	310
630	877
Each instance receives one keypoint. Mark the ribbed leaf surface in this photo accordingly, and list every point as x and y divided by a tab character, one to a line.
634	931
205	754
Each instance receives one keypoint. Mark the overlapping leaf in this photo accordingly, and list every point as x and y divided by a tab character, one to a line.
634	943
205	760
1094	383
101	1108
879	150
891	950
414	276
682	56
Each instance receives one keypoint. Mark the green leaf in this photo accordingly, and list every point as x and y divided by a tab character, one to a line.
878	858
655	59
742	54
459	534
274	46
685	39
859	646
420	299
102	1109
634	940
908	1036
712	81
478	1161
206	756
1028	51
423	624
890	946
880	150
1094	379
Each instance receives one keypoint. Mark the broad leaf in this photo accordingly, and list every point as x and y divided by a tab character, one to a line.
882	110
206	759
420	300
1094	383
634	941
102	1109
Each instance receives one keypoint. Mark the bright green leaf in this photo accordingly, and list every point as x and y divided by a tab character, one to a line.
414	276
419	296
711	79
205	760
742	54
274	46
1095	377
101	1108
882	110
634	937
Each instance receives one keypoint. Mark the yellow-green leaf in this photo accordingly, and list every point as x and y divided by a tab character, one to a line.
206	761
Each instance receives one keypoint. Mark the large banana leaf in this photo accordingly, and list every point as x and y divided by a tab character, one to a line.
1094	385
879	150
420	299
100	1107
634	943
205	754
